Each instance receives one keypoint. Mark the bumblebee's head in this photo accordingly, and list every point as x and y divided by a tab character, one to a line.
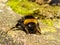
31	27
31	23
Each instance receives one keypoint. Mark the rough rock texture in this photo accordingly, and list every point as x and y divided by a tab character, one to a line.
8	19
41	1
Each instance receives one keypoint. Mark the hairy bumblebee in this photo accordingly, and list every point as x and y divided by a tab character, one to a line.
29	24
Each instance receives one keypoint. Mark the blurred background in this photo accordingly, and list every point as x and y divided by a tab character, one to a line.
48	13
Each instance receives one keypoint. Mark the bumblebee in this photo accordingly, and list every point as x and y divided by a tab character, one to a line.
28	24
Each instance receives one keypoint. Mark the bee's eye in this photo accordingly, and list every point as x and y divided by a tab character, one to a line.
29	25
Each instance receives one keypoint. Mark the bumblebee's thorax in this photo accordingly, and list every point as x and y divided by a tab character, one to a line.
26	21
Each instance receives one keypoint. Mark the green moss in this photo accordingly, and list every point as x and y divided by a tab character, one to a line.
25	7
22	7
48	22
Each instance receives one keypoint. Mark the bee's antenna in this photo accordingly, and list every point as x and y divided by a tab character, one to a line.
12	27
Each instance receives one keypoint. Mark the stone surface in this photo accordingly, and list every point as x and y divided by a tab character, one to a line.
8	19
3	1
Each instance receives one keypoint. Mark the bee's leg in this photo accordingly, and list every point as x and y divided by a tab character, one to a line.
16	26
23	27
12	27
38	30
27	32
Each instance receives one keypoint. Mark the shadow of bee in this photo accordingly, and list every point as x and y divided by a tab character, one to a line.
28	24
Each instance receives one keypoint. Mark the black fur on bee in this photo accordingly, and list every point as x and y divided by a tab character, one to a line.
28	24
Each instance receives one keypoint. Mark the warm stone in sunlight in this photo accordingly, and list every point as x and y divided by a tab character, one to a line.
3	1
43	1
8	19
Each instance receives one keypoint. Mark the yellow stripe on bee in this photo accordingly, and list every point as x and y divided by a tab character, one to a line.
30	20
